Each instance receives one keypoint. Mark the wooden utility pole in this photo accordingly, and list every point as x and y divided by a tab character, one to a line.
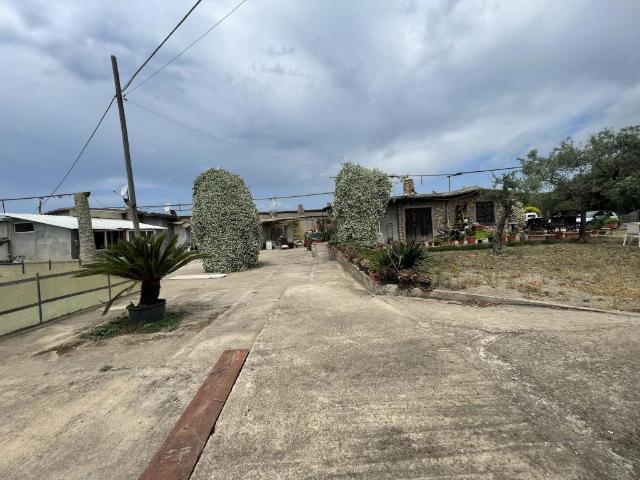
125	145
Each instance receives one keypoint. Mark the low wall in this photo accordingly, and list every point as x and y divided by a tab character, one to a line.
455	296
38	299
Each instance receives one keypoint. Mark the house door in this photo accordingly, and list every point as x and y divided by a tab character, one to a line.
75	244
418	224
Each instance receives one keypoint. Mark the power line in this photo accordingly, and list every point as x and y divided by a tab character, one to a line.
84	147
275	197
183	50
222	139
454	174
295	196
126	85
86	144
38	197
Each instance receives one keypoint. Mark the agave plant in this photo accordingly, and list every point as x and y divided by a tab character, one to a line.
143	260
403	256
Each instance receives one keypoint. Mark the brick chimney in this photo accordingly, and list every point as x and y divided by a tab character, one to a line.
408	186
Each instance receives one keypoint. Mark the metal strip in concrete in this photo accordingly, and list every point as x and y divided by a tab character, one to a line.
177	456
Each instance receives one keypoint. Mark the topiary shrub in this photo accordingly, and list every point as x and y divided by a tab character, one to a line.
361	198
225	223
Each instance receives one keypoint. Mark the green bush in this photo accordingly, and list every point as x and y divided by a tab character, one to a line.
225	223
361	198
404	256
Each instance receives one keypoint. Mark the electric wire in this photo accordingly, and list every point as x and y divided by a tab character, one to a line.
223	139
126	85
93	133
84	147
145	80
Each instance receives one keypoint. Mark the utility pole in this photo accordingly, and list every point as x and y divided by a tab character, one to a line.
125	145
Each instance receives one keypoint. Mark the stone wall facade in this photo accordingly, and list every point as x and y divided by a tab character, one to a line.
443	213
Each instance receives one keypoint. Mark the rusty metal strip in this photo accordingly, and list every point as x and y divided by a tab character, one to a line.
177	456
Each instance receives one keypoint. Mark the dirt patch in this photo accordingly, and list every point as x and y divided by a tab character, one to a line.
601	274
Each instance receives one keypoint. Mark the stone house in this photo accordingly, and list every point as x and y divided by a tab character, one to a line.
420	216
290	224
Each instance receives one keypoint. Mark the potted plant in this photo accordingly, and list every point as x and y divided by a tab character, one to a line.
471	239
512	238
145	261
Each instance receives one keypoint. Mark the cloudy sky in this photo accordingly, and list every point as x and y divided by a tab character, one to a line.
406	86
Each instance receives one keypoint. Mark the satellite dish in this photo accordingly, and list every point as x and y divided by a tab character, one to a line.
124	193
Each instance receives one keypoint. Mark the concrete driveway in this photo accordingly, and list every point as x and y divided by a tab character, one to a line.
339	384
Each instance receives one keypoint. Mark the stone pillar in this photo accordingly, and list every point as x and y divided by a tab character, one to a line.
85	232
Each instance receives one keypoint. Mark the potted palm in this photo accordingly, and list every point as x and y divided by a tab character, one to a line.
145	261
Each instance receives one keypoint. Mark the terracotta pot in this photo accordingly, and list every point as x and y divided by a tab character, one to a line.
471	240
512	238
461	241
375	277
503	239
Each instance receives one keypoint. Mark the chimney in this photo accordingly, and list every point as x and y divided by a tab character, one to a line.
408	186
300	210
85	231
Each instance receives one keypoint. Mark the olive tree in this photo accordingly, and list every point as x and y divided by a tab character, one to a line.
225	223
361	198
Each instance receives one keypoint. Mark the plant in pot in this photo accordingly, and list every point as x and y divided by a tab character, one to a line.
145	261
471	239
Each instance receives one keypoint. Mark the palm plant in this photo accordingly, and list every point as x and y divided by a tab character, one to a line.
143	260
403	256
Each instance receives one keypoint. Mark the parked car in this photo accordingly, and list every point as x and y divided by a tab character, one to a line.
597	215
529	216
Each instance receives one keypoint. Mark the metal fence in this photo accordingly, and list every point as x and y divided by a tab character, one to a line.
31	301
630	217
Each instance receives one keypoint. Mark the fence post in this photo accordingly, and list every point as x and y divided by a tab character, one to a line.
49	264
109	284
22	263
39	298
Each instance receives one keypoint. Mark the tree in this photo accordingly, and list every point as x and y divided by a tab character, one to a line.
361	198
143	260
602	172
225	222
508	191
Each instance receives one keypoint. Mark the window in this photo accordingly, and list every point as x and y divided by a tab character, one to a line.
484	213
23	227
100	240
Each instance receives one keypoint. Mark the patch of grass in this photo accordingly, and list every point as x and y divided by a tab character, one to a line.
123	326
602	271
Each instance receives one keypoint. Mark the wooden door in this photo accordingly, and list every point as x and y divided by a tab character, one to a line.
418	224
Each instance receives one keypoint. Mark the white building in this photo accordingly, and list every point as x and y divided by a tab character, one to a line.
55	237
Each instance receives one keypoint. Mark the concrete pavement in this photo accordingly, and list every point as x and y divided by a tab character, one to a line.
342	384
339	384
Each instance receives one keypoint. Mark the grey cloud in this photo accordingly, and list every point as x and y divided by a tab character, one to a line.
401	85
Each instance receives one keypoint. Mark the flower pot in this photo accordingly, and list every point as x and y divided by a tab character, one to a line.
471	240
375	277
503	239
461	241
512	238
148	313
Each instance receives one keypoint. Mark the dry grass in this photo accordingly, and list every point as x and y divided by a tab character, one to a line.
600	274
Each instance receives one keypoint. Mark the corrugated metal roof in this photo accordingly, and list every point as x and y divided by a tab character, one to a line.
71	223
